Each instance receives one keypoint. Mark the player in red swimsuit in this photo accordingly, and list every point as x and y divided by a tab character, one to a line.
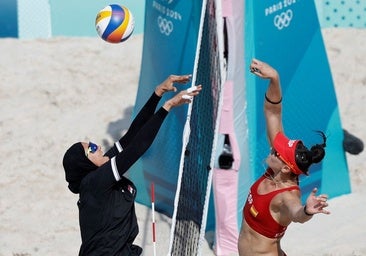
274	200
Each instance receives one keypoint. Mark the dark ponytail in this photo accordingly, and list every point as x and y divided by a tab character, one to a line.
317	150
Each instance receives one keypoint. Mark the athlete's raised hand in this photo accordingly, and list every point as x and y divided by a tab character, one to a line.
168	84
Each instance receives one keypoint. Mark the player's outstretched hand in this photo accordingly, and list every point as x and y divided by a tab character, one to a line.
316	204
183	97
262	69
168	84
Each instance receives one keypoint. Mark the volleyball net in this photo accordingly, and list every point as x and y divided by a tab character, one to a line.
195	173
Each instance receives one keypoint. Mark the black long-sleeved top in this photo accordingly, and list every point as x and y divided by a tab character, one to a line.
107	215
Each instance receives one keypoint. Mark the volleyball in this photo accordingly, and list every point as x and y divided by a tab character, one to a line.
114	23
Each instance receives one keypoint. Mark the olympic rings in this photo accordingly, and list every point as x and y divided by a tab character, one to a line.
283	20
165	26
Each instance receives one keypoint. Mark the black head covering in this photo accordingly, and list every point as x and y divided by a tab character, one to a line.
76	166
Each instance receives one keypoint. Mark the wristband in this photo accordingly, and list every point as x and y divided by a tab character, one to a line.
306	213
272	102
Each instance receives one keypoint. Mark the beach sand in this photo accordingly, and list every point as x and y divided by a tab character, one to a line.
57	91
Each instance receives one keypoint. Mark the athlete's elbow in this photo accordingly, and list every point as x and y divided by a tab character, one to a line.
301	220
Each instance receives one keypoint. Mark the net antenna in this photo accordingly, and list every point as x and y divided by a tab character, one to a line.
153	217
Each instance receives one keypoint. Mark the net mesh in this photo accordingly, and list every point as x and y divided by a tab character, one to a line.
196	173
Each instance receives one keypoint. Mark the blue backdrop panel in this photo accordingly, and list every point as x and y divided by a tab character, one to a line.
170	39
287	35
8	18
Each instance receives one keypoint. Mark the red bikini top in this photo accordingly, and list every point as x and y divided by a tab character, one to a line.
257	210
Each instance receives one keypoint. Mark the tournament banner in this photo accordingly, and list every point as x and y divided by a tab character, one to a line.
287	35
169	47
9	18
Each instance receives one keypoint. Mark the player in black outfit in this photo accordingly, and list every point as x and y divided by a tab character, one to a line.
107	215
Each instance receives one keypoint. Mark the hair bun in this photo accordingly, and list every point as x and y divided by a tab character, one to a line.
318	153
304	157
